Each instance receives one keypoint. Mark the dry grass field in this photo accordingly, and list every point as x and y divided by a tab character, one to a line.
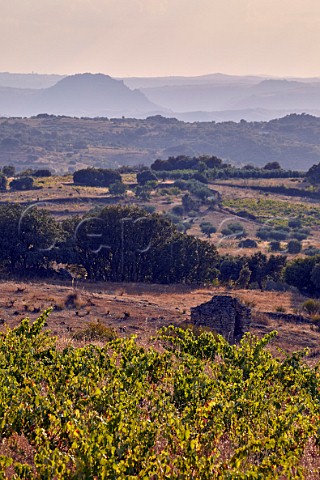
141	309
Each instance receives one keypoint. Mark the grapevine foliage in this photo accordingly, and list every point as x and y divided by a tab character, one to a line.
197	409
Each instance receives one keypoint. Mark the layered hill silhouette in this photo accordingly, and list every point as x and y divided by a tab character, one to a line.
90	95
215	97
250	98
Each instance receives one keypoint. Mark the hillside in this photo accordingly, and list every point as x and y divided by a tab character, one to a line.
65	144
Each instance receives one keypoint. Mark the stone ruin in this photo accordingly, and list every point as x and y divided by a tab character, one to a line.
225	315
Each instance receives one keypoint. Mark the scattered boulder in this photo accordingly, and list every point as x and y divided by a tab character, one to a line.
224	314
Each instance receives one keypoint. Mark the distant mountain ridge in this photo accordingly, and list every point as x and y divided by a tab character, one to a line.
213	97
88	94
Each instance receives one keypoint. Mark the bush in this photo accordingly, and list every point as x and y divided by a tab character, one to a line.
3	182
236	229
143	192
272	166
295	223
278	235
311	251
207	228
9	170
298	273
117	188
298	235
96	331
22	183
311	306
248	243
149	208
294	246
178	210
41	173
146	176
275	246
96	177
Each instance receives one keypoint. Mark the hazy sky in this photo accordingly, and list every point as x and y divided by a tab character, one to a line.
161	37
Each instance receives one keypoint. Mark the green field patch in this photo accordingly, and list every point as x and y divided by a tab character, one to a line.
275	212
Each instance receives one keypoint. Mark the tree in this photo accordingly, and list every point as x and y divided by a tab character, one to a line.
236	229
207	228
3	182
248	243
275	246
298	273
244	277
202	167
188	202
44	172
230	268
29	239
126	244
22	183
272	166
315	276
96	177
311	306
313	174
146	176
117	188
9	170
143	192
294	246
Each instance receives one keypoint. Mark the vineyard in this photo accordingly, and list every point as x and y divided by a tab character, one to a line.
192	407
274	211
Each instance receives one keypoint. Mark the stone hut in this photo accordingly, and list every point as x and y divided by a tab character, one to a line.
224	314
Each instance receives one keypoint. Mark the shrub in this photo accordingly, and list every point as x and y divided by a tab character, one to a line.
22	183
278	234
117	188
3	182
311	251
298	235
272	166
96	177
207	228
248	243
73	301
96	331
9	170
146	176
41	173
275	246
149	208
311	306
294	246
178	210
295	223
234	228
143	192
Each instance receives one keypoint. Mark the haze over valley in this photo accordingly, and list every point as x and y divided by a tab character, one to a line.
215	97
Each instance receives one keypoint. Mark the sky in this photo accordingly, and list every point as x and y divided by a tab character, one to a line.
161	37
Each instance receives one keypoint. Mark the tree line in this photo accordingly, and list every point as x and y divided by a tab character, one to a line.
115	244
127	244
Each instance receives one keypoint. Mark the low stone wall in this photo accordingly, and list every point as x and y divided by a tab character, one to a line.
288	317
